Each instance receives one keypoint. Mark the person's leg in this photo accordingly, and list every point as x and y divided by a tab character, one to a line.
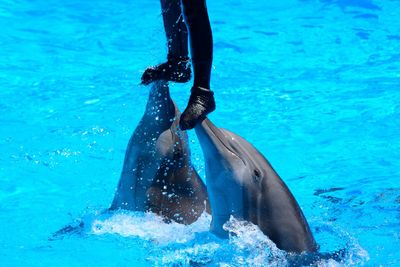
177	67
201	101
201	42
175	29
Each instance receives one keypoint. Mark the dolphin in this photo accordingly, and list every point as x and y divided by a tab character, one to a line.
242	183
157	173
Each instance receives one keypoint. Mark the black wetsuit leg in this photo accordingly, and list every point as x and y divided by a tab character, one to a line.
175	29
201	101
201	42
177	67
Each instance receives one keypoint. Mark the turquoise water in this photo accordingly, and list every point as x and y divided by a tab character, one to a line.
314	85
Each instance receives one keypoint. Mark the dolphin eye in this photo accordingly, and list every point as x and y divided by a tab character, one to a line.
256	175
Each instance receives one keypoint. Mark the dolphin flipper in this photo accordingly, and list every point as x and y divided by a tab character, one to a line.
76	228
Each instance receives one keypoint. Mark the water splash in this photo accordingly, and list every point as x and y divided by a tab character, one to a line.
252	247
173	244
149	226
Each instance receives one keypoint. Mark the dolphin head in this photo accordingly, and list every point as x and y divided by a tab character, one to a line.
225	174
224	152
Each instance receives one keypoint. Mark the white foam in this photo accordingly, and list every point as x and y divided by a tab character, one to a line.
149	226
252	247
198	253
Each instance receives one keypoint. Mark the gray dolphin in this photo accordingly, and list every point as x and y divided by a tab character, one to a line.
242	183
157	173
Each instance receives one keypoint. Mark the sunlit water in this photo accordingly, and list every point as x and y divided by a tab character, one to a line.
314	85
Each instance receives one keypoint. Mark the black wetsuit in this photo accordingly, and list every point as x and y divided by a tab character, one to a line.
183	19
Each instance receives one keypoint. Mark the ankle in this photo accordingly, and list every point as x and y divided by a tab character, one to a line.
203	96
177	59
199	90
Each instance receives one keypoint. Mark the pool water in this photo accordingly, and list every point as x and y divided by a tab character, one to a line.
314	85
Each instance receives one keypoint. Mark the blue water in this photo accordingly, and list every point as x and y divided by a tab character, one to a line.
314	85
